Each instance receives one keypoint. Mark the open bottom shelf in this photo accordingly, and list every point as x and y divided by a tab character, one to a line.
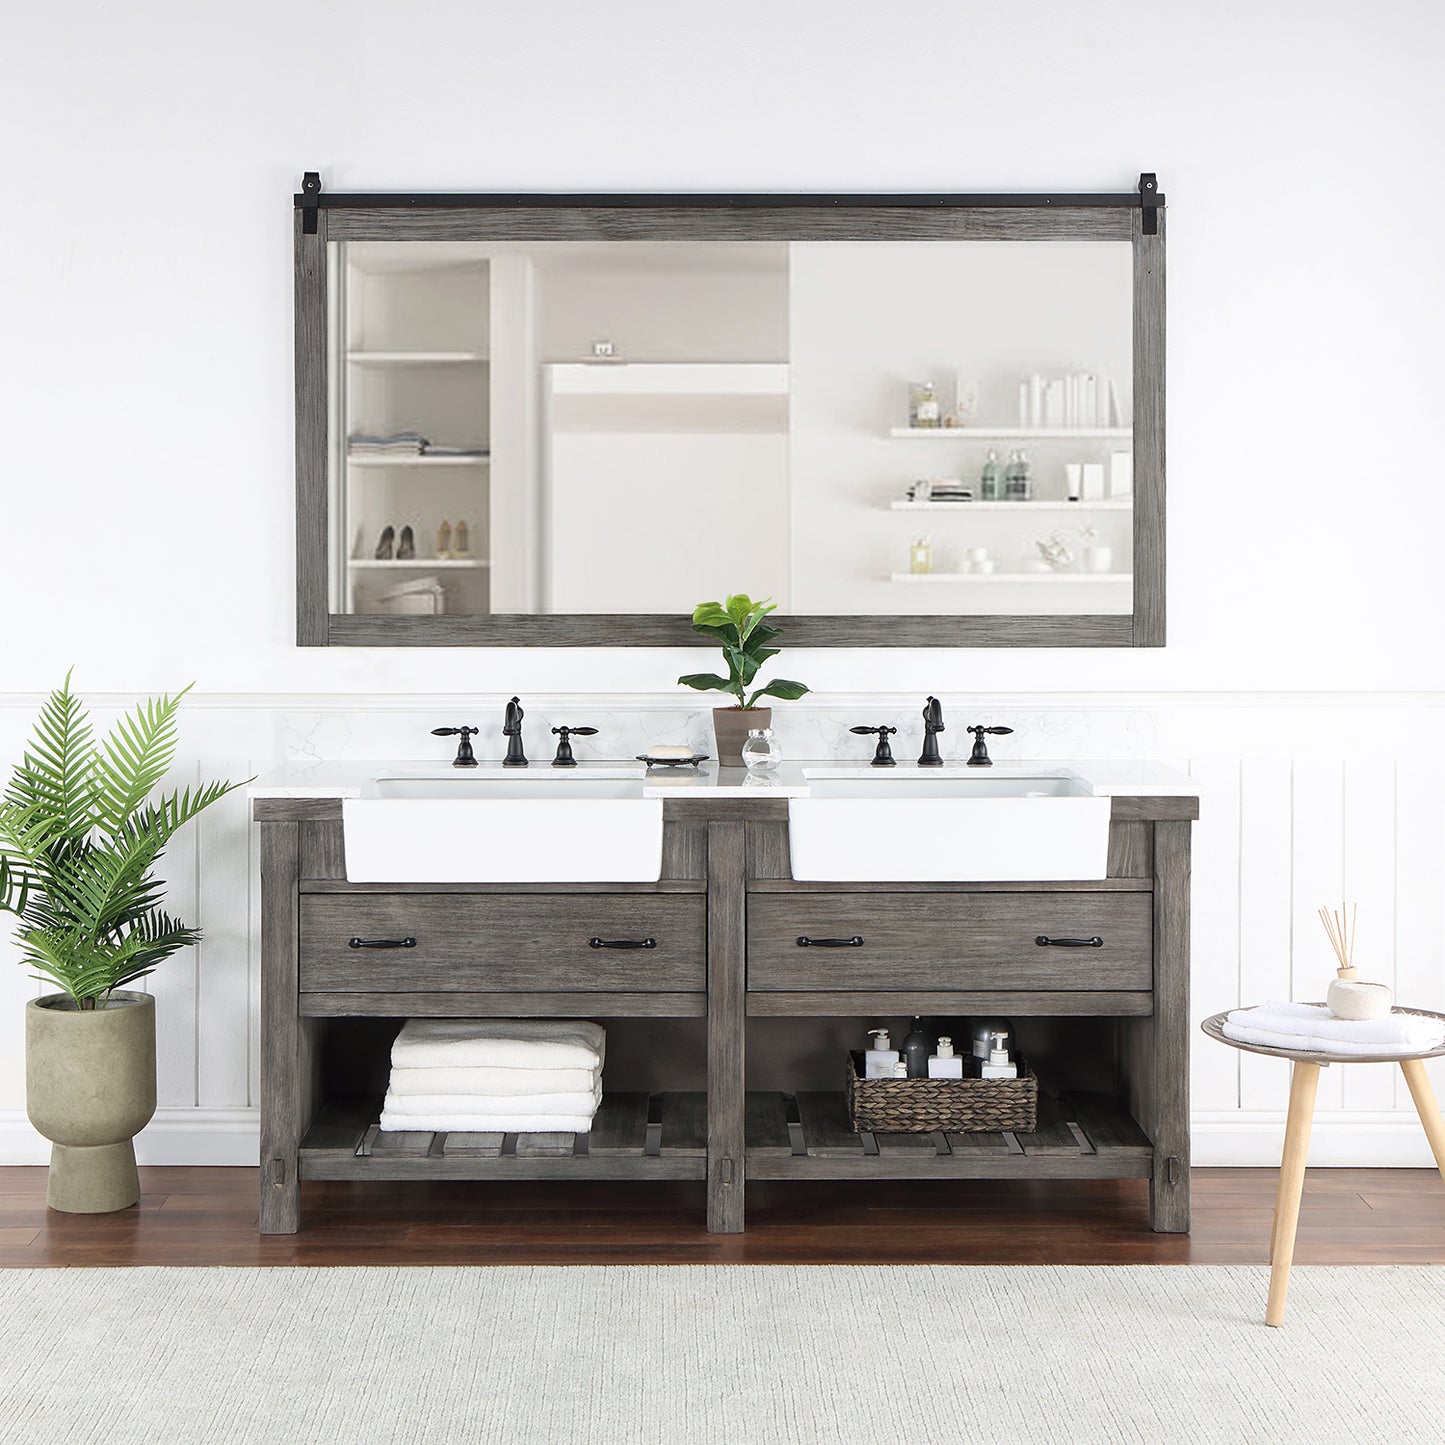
789	1136
634	1136
1079	1136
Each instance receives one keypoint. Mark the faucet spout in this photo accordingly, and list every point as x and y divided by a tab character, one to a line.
512	731
932	726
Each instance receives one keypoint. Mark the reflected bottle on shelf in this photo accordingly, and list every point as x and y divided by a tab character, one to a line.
1018	484
990	480
923	407
920	557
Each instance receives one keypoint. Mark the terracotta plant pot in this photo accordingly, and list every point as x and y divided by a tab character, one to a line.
90	1088
731	726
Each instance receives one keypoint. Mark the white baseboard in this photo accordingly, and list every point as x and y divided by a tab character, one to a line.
1390	1139
174	1136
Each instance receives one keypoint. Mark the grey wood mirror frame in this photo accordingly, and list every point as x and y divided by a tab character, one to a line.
1136	217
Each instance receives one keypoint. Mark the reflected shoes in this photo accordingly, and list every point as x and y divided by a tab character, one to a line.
384	545
406	545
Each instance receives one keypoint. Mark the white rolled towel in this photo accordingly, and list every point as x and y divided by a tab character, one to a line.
499	1043
573	1103
489	1123
1312	1028
505	1083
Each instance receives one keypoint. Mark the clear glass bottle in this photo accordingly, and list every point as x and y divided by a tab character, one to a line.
761	753
920	557
923	407
990	480
1018	483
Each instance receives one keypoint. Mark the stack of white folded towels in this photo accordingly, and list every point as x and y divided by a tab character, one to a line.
1312	1028
512	1076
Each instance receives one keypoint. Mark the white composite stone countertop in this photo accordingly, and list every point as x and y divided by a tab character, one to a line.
1109	778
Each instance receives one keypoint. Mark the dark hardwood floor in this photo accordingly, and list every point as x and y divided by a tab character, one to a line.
208	1216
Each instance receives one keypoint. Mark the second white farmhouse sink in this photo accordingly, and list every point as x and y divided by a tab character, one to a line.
926	828
497	827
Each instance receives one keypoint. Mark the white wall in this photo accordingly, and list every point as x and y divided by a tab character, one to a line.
145	389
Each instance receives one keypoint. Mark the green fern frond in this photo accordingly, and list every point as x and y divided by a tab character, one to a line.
58	771
135	758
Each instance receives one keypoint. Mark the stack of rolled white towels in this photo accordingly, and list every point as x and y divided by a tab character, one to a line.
512	1076
1312	1028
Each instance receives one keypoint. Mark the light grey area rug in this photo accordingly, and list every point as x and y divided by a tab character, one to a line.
740	1354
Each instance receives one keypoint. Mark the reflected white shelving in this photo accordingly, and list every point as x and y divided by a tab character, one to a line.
421	461
1012	433
1048	578
1114	504
417	358
420	563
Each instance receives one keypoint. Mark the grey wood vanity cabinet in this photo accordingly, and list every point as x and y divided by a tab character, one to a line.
734	939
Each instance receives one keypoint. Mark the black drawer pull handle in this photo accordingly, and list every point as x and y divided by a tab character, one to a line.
621	943
855	942
1044	941
382	943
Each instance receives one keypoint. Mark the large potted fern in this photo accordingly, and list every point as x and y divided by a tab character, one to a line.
81	828
737	623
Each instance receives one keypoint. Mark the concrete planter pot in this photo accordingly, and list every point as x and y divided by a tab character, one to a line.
90	1088
731	726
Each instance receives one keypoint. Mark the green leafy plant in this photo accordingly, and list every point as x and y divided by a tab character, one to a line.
81	829
738	624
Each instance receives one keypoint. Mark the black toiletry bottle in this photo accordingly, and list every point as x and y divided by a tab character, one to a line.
916	1049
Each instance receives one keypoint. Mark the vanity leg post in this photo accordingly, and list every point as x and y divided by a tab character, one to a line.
726	1025
284	1049
1169	1124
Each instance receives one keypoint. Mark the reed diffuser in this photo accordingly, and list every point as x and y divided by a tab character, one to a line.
1348	998
1342	938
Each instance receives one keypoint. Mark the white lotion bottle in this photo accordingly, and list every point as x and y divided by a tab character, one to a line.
998	1065
945	1064
878	1062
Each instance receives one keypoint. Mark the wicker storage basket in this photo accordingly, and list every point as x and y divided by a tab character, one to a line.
926	1106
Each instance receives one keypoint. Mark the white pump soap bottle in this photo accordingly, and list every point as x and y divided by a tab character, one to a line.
879	1060
998	1065
945	1064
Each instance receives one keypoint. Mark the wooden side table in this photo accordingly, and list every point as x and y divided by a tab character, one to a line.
1304	1081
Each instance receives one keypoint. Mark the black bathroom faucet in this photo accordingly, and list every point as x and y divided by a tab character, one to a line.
932	726
979	757
882	754
512	731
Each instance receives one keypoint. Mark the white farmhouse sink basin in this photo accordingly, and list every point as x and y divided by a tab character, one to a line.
530	826
939	829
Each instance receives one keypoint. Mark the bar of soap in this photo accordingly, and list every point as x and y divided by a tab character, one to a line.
668	750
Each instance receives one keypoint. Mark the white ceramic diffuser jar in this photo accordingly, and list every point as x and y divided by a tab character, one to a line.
1349	998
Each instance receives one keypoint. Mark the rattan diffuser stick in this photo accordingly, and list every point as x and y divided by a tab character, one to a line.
1340	929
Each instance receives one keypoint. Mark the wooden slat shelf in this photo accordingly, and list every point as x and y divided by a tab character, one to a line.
789	1136
634	1136
808	1136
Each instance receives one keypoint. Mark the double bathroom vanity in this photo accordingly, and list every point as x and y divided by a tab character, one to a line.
562	372
777	921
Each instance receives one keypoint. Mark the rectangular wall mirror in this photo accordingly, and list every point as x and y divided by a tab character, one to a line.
565	420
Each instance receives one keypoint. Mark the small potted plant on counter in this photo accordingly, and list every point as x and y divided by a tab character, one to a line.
738	624
81	828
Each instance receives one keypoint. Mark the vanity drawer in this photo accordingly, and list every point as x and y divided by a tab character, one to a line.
486	943
949	941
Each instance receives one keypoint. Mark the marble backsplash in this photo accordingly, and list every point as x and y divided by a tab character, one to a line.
808	729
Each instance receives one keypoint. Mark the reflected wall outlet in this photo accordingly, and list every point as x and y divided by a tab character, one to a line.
602	349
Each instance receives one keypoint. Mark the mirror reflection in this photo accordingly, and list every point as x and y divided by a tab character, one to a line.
853	428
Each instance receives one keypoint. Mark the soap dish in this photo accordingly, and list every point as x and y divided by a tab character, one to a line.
690	762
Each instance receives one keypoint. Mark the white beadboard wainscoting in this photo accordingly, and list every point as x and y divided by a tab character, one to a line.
1305	799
